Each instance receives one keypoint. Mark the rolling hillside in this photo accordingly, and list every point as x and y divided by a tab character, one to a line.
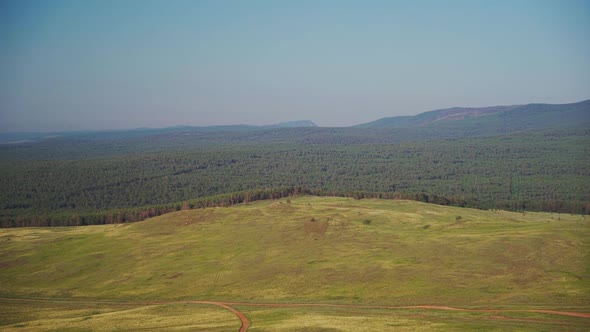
307	250
530	116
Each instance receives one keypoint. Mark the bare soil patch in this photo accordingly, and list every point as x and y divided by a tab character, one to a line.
315	227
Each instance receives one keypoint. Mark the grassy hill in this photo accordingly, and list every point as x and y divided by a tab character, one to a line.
303	250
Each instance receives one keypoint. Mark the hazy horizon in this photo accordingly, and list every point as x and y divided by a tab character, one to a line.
99	65
238	124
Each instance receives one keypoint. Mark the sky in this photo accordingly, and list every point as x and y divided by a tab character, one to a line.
92	65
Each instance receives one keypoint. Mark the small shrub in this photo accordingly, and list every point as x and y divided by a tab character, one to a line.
426	226
457	218
367	221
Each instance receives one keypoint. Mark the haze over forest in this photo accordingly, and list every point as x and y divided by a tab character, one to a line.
91	65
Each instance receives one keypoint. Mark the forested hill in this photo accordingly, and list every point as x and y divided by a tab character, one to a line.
528	116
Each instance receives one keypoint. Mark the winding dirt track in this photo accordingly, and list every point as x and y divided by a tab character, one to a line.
241	316
245	323
430	307
243	319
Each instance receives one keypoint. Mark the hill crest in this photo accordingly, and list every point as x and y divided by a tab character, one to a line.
579	110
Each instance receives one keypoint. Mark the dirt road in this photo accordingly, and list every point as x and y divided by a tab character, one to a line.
430	307
245	323
241	316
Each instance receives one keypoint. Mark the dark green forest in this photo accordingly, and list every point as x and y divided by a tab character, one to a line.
117	178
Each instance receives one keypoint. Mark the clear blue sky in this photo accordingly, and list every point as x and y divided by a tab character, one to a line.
69	65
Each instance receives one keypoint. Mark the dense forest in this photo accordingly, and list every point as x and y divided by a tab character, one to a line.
127	178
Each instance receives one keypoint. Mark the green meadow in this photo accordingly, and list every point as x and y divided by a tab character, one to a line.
301	250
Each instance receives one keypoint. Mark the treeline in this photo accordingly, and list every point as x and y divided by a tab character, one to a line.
69	218
98	217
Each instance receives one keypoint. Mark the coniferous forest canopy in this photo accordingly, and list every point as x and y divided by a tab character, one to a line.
97	178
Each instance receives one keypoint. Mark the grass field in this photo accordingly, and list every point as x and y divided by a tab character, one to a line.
303	250
23	316
84	316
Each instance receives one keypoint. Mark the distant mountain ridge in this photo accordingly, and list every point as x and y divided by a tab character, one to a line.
537	115
295	124
455	122
31	137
